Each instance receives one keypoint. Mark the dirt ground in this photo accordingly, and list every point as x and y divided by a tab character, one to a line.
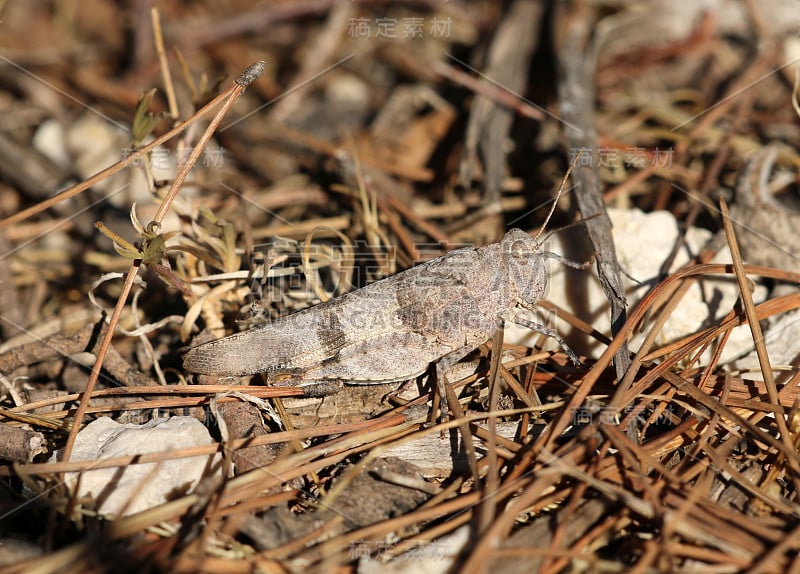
175	172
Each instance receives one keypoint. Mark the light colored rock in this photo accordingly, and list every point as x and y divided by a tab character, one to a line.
434	557
645	24
111	488
434	456
780	337
94	143
791	52
49	140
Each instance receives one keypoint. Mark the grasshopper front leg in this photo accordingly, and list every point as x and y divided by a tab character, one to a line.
547	332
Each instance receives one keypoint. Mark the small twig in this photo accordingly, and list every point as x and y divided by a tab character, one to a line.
509	56
233	92
67	344
488	90
162	62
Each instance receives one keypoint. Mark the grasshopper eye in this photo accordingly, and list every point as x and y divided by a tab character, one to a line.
519	250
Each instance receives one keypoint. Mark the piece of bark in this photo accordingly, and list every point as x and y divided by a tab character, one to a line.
766	228
33	395
539	534
350	404
63	345
244	420
366	500
13	312
729	493
408	128
490	122
20	445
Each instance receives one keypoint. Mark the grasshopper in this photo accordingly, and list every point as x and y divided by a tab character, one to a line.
393	329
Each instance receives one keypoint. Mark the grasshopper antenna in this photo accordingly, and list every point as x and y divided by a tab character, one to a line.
558	195
581	221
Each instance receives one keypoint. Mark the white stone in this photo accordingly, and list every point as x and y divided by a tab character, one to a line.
94	143
111	488
429	557
780	339
49	141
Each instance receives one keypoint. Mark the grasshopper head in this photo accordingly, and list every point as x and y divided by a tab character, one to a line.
524	263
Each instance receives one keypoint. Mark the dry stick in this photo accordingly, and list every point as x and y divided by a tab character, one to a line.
568	518
123	392
420	222
673	298
576	96
765	310
758	339
626	392
488	90
383	431
460	504
451	400
42	468
766	54
662	370
626	186
489	125
231	95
